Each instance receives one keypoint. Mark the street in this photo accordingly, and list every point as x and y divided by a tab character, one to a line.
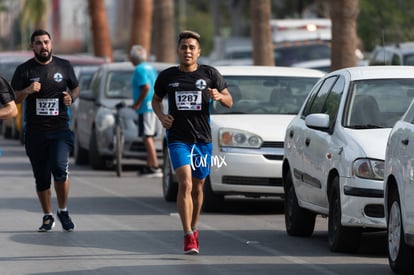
124	226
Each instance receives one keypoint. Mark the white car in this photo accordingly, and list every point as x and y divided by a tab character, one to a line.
248	138
399	194
335	150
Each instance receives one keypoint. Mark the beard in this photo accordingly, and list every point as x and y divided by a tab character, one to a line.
43	58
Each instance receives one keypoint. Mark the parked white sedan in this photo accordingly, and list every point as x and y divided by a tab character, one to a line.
335	150
399	194
248	138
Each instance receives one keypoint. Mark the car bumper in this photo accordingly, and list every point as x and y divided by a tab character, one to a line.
362	206
247	172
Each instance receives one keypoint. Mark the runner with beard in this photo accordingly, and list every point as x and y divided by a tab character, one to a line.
48	85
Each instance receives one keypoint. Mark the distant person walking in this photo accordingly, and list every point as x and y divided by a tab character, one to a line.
190	89
48	86
8	107
142	93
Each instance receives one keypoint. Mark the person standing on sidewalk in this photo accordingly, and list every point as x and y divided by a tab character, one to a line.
8	105
191	89
48	85
142	92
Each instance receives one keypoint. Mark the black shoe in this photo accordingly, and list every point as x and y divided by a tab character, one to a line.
150	172
48	223
66	221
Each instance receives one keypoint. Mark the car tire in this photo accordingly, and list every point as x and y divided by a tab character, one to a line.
212	202
97	161
400	255
298	221
169	186
340	238
80	154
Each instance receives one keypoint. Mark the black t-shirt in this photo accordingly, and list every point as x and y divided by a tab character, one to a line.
45	111
6	92
189	102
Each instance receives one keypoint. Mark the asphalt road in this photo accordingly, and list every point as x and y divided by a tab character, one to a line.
124	226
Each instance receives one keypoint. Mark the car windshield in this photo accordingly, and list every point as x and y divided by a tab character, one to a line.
377	103
265	94
119	85
286	56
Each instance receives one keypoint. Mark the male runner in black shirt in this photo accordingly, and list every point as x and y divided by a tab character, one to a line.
190	89
8	105
48	86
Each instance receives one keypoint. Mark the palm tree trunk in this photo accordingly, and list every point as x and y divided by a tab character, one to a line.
164	38
344	14
100	29
141	25
261	33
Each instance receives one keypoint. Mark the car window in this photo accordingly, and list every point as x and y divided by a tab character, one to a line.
377	103
266	94
317	103
286	56
95	83
395	60
119	85
409	59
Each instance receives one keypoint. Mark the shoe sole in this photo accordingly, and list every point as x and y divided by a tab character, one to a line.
192	252
44	230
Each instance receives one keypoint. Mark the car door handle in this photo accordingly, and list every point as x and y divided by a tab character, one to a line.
405	141
291	133
307	141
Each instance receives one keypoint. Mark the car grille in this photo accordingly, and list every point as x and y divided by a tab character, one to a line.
236	180
273	144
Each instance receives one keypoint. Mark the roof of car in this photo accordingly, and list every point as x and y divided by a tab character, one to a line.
269	71
377	72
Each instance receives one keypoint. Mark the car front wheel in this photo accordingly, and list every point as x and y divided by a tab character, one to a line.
169	186
340	238
298	221
400	256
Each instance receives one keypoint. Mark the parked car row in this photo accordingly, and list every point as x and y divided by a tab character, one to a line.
335	154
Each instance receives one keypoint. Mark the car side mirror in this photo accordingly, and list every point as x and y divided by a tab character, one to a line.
318	121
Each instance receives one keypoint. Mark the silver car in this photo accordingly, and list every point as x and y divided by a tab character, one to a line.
94	118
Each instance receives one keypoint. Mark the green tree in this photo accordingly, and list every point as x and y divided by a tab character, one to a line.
385	22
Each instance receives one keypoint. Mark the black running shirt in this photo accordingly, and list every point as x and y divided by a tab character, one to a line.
189	102
45	111
6	92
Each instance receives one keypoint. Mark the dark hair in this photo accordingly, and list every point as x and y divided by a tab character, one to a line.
188	34
37	33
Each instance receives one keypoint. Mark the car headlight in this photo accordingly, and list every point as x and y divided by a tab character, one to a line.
105	121
369	169
238	138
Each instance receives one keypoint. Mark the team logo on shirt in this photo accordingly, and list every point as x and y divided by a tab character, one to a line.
58	77
201	84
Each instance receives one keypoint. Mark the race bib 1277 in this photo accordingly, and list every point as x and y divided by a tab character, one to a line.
47	106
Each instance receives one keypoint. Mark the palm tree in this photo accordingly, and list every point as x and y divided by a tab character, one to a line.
100	29
164	38
34	16
261	32
141	25
344	14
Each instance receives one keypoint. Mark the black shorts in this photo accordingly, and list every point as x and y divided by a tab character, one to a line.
49	155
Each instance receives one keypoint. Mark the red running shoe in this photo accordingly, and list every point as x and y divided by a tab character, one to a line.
190	245
195	233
